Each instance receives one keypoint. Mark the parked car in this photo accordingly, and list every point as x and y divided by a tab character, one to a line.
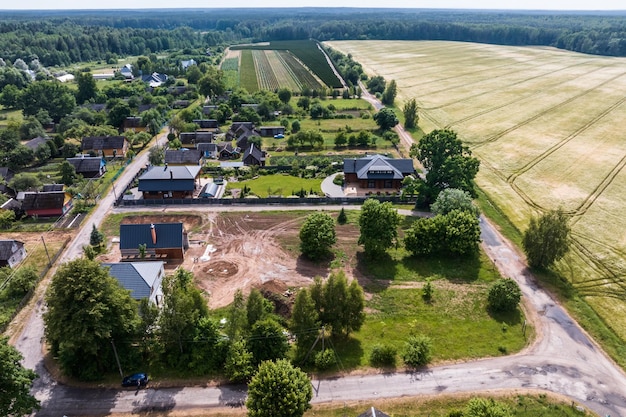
134	380
279	136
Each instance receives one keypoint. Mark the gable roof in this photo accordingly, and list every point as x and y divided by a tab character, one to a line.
254	152
103	142
207	147
35	142
6	173
6	248
182	156
47	200
378	167
86	163
168	235
184	172
190	138
138	277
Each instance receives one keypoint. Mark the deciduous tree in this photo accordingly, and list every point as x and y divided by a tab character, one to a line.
547	239
304	323
317	235
267	341
385	118
279	389
454	199
15	383
504	295
379	227
87	309
411	115
87	88
389	95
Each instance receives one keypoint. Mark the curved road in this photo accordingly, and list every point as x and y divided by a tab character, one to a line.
563	359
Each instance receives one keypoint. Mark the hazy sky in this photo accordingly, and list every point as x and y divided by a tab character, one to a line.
456	4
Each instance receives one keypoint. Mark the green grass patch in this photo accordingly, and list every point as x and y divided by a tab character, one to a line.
247	73
441	406
278	184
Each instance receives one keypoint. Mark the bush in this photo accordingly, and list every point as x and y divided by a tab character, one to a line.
324	359
504	295
417	351
342	218
383	355
339	179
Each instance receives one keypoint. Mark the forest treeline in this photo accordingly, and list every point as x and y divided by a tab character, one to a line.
64	37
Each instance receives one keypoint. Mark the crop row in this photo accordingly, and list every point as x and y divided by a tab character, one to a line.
247	73
302	73
286	78
230	64
264	72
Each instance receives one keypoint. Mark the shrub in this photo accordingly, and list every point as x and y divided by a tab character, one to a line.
417	351
324	359
504	295
339	179
383	355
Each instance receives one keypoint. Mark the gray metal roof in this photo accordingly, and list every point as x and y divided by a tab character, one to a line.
86	163
378	167
168	235
102	142
187	156
184	172
138	277
6	248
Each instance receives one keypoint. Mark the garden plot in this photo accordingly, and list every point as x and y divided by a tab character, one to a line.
546	125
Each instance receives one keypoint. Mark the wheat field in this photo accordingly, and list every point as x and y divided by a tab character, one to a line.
547	127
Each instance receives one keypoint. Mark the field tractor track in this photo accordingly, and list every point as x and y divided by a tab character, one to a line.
604	270
523	123
584	206
563	142
559	82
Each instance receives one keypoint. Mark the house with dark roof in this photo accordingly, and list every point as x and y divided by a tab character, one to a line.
238	130
225	150
46	204
209	150
271	131
377	172
6	174
107	146
192	139
127	71
183	157
12	252
208	109
207	123
170	181
36	142
133	123
155	79
254	156
161	240
180	104
52	187
143	279
88	166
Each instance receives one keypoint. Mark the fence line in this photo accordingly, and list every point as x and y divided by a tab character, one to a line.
266	201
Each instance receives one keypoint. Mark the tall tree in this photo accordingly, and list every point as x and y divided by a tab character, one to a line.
57	99
87	311
236	318
212	83
267	341
386	119
379	227
153	120
87	88
411	115
156	155
389	95
342	305
453	199
317	235
547	239
15	383
279	390
67	172
257	307
304	322
448	163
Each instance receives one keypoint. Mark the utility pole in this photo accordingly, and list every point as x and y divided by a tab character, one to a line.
117	359
46	249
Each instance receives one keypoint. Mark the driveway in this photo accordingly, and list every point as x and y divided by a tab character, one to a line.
330	189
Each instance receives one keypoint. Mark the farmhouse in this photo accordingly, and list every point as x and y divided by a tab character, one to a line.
209	150
169	181
254	156
192	139
46	204
12	252
183	157
161	240
88	166
143	279
377	171
271	131
207	123
107	146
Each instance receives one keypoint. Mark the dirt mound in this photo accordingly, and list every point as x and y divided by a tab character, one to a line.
221	269
279	294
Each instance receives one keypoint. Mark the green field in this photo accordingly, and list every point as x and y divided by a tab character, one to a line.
278	184
545	124
289	64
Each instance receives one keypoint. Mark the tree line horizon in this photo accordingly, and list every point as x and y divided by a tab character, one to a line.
61	38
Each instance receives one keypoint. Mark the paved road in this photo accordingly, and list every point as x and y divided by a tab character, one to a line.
562	359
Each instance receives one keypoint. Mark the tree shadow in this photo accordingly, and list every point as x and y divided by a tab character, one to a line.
454	268
510	318
312	269
348	353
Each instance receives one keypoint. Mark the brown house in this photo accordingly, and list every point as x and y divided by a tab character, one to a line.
161	240
170	181
107	146
377	171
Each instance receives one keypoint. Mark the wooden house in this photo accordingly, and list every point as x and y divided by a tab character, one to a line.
88	166
377	172
107	146
161	240
12	252
170	181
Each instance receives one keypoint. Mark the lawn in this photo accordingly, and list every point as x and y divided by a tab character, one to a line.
545	124
278	184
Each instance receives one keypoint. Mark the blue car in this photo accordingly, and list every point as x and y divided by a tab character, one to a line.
135	380
279	136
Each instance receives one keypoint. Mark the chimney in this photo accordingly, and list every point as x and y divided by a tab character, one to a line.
153	231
